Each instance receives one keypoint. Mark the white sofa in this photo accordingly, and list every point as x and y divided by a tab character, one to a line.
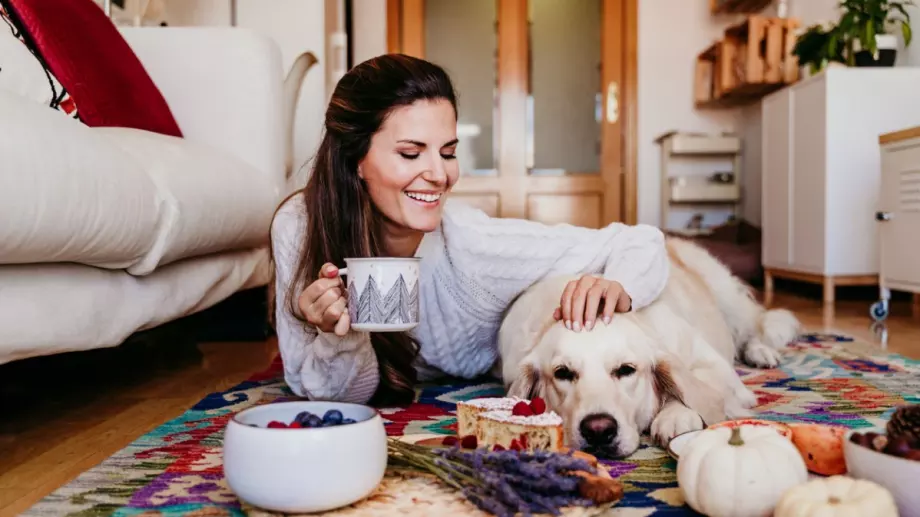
108	231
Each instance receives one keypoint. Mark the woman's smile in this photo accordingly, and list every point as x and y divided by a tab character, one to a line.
424	199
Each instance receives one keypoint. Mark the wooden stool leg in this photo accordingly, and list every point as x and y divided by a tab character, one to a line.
916	306
829	288
768	287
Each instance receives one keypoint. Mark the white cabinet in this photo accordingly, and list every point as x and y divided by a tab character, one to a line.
821	172
899	215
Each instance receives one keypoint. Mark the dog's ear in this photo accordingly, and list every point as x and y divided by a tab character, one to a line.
528	383
675	381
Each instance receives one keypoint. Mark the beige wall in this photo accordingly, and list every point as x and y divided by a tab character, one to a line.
198	12
297	26
671	34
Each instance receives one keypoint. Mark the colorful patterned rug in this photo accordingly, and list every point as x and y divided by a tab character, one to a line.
176	469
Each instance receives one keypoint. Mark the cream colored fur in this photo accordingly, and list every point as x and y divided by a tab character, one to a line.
683	348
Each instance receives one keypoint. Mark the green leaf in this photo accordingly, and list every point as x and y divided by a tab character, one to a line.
870	43
907	32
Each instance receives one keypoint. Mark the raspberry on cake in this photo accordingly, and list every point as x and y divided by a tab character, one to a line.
510	423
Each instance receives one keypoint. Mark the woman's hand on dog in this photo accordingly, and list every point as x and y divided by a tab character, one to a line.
590	297
323	302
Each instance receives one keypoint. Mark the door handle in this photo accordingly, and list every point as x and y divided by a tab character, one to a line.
613	103
883	216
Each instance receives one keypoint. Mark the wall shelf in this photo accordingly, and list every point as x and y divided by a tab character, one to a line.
689	190
737	6
753	58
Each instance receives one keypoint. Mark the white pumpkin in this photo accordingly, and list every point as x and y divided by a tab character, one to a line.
837	496
739	472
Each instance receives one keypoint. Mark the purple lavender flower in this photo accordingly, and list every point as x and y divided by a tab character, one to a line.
510	482
487	504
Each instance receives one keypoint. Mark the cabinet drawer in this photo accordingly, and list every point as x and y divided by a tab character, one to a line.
701	190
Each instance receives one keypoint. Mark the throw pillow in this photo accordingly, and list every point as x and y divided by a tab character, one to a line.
84	50
23	73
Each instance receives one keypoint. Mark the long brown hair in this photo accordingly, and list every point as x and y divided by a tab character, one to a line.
341	219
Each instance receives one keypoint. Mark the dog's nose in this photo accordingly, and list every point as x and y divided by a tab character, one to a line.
598	429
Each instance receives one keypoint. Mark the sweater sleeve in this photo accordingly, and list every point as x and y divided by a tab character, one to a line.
510	255
317	365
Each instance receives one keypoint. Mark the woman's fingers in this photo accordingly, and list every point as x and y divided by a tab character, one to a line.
624	302
578	301
565	303
316	313
585	300
320	287
593	302
343	325
334	312
328	270
611	299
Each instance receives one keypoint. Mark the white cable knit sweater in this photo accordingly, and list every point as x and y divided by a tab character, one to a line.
472	267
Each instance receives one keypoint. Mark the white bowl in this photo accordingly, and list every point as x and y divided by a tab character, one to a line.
900	476
304	470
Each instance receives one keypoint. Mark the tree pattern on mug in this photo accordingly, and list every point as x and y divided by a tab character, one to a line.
395	307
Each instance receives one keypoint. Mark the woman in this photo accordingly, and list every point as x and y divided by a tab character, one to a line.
378	185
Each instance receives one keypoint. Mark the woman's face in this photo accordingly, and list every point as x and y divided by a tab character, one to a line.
411	164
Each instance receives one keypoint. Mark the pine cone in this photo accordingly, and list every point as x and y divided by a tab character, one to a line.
906	422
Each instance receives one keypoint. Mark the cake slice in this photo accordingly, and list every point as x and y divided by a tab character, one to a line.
528	432
511	423
468	412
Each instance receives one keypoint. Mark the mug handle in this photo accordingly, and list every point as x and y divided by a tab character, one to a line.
343	271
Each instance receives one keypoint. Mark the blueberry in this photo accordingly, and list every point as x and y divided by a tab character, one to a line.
313	421
302	417
333	416
348	421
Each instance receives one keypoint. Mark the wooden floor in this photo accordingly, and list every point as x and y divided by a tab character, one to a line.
65	414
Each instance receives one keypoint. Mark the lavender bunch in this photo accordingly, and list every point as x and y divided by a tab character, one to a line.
503	483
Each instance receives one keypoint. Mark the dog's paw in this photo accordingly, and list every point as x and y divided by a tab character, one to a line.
759	355
672	420
746	398
779	327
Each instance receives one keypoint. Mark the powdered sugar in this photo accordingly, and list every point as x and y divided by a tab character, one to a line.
495	403
549	418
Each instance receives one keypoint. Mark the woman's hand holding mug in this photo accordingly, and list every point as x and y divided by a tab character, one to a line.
384	296
324	303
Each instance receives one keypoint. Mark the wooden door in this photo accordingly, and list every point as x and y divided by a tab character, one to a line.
547	101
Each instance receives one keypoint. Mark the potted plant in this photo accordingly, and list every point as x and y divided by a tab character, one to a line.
865	28
818	46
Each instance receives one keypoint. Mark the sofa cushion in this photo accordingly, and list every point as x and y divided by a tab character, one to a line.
121	198
212	201
67	194
23	73
85	51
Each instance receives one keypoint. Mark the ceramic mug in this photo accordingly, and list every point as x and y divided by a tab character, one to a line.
382	293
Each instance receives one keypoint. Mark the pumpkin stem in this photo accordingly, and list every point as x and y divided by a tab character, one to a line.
736	437
833	500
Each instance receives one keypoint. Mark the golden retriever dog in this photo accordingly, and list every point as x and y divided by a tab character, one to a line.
668	368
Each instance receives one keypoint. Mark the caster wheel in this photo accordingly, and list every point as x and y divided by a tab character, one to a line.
879	311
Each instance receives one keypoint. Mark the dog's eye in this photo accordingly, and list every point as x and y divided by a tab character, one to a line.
625	370
563	373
